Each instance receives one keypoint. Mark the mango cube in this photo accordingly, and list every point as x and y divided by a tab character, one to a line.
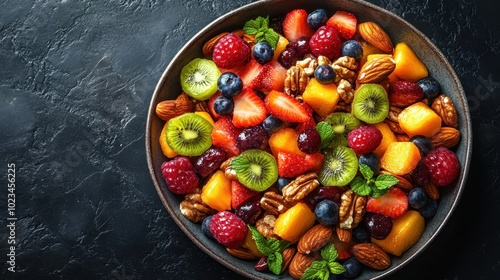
419	119
296	221
400	158
217	192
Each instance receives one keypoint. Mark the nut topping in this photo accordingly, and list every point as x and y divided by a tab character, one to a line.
193	207
265	226
446	136
301	262
273	203
377	69
314	239
241	253
444	107
371	255
308	64
375	35
300	187
345	67
295	81
168	109
352	208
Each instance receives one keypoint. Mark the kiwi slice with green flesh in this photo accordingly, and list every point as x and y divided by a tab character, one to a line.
371	103
339	167
255	169
189	134
342	124
199	78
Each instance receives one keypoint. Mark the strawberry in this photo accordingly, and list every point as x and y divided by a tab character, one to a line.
285	107
241	194
295	25
292	165
392	204
272	77
249	72
311	123
343	248
215	116
249	109
404	93
230	52
326	41
224	135
344	22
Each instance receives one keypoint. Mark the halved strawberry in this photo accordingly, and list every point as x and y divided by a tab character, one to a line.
344	22
272	77
292	165
295	25
249	72
392	204
241	194
311	123
249	109
224	135
285	107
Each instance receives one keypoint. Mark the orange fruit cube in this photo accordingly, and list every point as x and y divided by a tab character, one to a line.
408	66
285	140
400	158
165	148
216	193
296	221
419	119
322	98
387	137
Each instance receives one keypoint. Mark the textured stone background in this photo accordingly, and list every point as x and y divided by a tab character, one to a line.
76	78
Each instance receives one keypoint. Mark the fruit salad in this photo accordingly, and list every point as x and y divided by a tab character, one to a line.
309	144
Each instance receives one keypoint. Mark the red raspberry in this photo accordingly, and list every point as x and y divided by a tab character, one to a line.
228	229
231	51
443	165
179	175
364	139
326	41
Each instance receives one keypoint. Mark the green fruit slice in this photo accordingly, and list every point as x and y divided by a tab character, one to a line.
340	166
189	134
199	78
342	124
370	103
255	169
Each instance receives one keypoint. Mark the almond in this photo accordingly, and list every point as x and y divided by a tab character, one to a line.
287	254
377	69
432	191
375	35
241	253
447	137
344	234
314	239
168	109
301	262
371	255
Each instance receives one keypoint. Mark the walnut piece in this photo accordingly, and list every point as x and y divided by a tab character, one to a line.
265	226
444	107
295	81
346	91
308	64
273	203
345	67
352	208
228	170
193	208
300	187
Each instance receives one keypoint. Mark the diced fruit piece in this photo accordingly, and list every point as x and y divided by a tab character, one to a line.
271	77
419	119
404	93
241	194
344	22
254	137
210	161
295	25
408	66
292	165
179	175
400	158
224	135
252	246
406	231
249	72
296	221
322	98
280	47
392	204
249	109
228	229
285	107
309	141
216	193
231	51
368	49
255	169
165	148
364	139
343	248
388	136
326	41
285	140
443	166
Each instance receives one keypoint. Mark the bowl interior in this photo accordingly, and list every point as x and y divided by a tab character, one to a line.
398	29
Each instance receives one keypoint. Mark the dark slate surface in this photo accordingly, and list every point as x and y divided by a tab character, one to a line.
76	78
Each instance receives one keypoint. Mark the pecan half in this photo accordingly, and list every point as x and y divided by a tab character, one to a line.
193	208
295	81
228	170
300	187
352	208
345	90
273	203
394	126
444	107
394	113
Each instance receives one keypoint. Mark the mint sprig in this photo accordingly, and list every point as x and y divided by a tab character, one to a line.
370	185
326	133
320	270
271	248
260	28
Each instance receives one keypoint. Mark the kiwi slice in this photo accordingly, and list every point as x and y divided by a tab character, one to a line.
342	124
189	134
255	169
199	78
371	103
340	166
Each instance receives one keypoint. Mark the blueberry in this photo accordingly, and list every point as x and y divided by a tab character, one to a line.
229	84
417	198
372	160
317	18
429	209
223	106
327	212
272	124
431	87
361	234
282	182
352	48
352	268
205	227
423	143
263	52
324	74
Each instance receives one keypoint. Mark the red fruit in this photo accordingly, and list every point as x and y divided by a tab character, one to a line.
179	175
249	72
215	116
443	166
231	51
364	139
272	77
343	249
344	22
241	194
311	123
404	93
225	135
292	165
326	41
249	109
295	25
392	204
285	107
228	229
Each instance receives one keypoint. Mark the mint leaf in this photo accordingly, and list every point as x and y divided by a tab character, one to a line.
272	37
253	26
378	193
275	262
359	186
385	181
326	133
336	268
329	253
366	171
260	241
260	28
317	271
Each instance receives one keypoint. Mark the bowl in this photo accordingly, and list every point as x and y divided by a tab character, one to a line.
168	87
